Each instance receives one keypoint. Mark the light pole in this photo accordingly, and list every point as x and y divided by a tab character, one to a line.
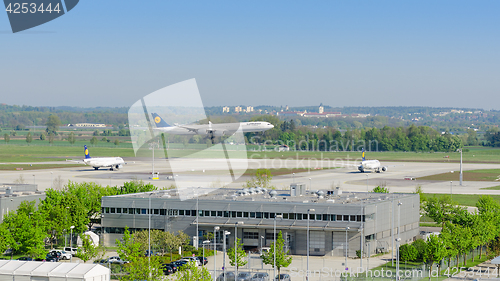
307	242
461	176
261	244
367	190
235	247
293	175
149	235
274	244
71	243
52	180
346	229
34	181
310	185
224	254
216	228
451	188
203	260
398	240
197	218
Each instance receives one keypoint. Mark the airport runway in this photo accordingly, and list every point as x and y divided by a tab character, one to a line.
202	171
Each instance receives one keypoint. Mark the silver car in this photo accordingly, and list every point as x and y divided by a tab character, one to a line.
244	276
229	276
260	277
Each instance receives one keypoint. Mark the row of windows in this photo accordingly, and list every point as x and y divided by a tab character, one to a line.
233	214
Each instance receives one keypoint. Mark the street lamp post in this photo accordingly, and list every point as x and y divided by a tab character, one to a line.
224	254
203	260
307	242
293	175
310	185
216	228
235	247
398	240
34	181
71	243
274	244
346	253
367	190
451	188
461	175
261	244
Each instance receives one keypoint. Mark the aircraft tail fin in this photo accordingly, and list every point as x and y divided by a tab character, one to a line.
86	151
363	154
159	122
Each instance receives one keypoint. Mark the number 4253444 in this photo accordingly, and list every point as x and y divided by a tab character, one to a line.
24	8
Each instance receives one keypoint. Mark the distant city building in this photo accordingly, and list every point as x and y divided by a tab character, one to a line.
225	109
321	109
238	109
249	109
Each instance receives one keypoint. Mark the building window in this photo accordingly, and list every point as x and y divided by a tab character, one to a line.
259	215
106	210
326	217
252	215
181	212
125	210
163	212
239	214
213	213
339	217
131	211
207	213
298	217
118	210
193	213
233	214
219	213
358	218
200	213
346	218
272	215
285	216
137	211
144	212
156	211
353	218
250	235
226	214
318	217
291	216
333	217
245	214
266	215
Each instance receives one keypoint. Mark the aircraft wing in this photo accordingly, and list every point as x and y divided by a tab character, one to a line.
77	161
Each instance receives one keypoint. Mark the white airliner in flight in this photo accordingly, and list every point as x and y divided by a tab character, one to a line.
210	129
370	165
114	163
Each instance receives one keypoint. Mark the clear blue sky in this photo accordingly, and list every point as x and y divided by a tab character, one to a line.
340	53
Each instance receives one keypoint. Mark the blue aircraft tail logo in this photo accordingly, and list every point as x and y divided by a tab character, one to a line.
159	122
86	151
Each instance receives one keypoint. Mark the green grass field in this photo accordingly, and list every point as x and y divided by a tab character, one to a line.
473	175
464	199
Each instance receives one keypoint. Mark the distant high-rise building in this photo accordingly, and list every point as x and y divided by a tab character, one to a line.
321	109
238	109
249	108
225	109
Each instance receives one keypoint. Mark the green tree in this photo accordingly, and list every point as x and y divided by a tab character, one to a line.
262	178
435	250
51	138
420	246
191	271
6	138
407	252
71	138
29	138
93	141
282	257
117	142
88	250
53	123
440	209
380	189
43	136
239	259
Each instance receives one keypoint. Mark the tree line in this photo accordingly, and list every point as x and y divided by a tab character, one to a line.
462	232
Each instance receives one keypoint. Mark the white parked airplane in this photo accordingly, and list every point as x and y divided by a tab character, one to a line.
114	163
370	165
210	129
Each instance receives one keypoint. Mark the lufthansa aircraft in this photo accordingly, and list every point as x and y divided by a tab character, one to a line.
114	163
370	165
210	129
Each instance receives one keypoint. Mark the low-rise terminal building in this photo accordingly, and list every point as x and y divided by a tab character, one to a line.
12	195
366	220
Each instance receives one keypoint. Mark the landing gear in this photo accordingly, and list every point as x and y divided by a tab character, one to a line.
96	168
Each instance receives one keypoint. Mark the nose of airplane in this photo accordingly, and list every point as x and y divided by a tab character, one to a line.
271	125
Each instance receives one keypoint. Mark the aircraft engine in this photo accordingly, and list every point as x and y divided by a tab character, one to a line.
384	169
119	166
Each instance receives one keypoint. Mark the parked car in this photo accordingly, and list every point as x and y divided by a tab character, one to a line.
202	260
262	276
63	255
71	250
284	277
117	260
179	263
173	266
25	259
244	276
229	276
53	256
167	270
194	259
